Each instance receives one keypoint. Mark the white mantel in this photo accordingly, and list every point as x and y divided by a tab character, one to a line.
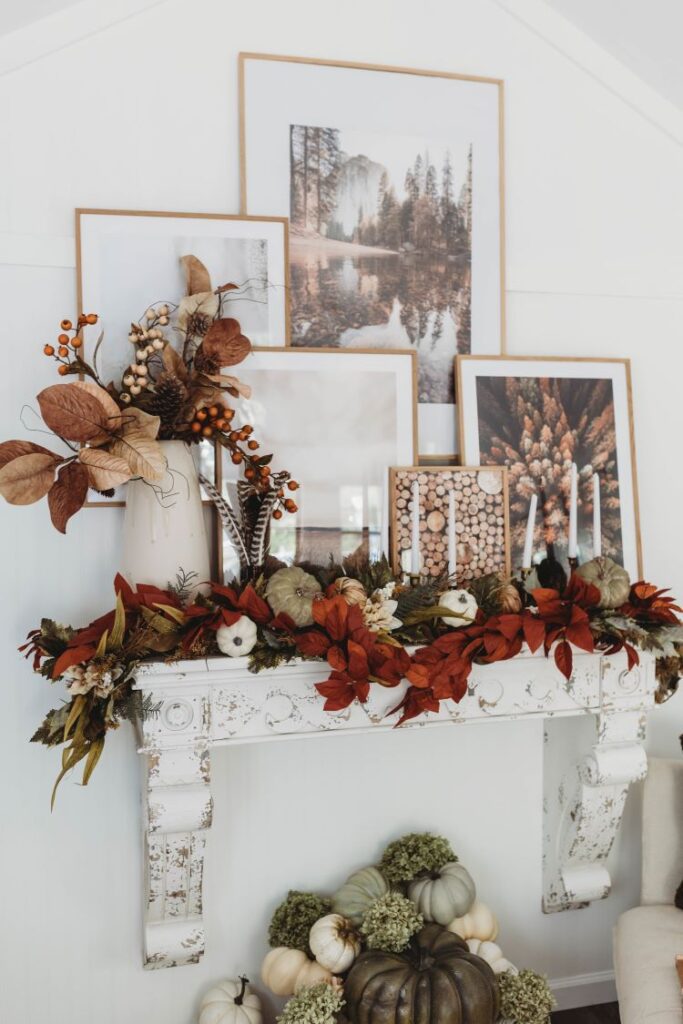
207	703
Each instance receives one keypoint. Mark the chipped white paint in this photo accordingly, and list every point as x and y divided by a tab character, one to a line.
216	702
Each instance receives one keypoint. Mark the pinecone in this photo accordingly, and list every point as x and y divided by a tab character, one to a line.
170	396
206	364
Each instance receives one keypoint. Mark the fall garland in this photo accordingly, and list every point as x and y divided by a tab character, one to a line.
367	626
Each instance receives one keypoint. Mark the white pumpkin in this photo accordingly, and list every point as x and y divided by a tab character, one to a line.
462	603
230	1002
448	894
334	943
287	971
478	923
237	640
492	954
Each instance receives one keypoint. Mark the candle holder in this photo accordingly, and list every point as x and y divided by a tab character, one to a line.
573	563
525	573
414	579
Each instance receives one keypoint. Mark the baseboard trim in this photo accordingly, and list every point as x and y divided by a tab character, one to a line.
584	990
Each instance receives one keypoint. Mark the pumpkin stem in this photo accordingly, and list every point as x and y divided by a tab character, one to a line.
240	998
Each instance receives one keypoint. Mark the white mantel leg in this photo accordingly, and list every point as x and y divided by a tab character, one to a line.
583	806
178	815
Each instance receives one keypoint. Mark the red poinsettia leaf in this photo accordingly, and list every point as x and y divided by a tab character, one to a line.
71	656
509	625
337	690
579	634
563	658
283	622
358	662
123	587
631	655
254	606
91	633
534	631
336	659
361	691
337	618
548	602
581	592
418	675
313	643
229	593
228	617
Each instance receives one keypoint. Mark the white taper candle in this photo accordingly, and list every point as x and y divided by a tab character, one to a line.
572	550
415	560
452	556
529	537
597	525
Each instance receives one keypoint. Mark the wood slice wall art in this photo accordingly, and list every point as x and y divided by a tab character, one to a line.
481	524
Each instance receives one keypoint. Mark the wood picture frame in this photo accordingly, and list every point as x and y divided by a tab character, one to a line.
344	297
168	232
583	405
480	512
340	456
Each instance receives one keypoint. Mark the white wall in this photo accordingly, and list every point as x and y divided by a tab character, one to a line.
144	115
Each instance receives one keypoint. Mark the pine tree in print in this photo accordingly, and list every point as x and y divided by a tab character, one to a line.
538	426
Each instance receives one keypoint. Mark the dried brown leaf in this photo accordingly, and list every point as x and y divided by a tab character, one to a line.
27	478
104	470
67	494
197	277
112	413
173	363
142	454
228	381
225	343
138	421
13	449
227	288
72	412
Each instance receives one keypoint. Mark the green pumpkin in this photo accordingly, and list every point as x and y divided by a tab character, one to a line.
611	580
293	591
361	889
435	981
444	895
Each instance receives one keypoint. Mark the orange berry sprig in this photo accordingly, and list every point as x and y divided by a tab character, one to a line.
66	352
214	422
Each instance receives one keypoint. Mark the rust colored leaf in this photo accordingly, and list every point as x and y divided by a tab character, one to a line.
254	606
174	363
534	631
135	420
104	470
72	656
225	343
197	277
27	478
563	658
72	412
67	494
312	644
227	288
10	450
112	413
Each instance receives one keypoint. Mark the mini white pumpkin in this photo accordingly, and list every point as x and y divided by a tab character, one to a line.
448	893
286	971
478	923
334	943
230	1002
237	640
492	954
462	603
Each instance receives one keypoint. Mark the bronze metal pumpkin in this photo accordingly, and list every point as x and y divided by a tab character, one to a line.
435	981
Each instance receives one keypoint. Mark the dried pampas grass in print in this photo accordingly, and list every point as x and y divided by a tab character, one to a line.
480	519
539	426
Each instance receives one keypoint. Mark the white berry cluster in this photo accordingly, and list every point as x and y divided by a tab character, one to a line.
147	338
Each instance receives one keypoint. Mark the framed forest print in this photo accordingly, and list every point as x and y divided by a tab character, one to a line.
449	521
540	417
392	181
336	419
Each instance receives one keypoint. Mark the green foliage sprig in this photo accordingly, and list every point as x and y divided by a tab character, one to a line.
390	923
525	998
292	921
316	1005
415	854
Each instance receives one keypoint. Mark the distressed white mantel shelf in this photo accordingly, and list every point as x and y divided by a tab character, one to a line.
204	704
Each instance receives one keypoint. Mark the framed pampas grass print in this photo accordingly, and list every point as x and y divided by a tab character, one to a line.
392	179
542	416
336	420
459	522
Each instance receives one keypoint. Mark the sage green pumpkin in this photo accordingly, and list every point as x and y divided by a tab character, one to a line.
293	591
611	580
435	981
445	894
361	889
